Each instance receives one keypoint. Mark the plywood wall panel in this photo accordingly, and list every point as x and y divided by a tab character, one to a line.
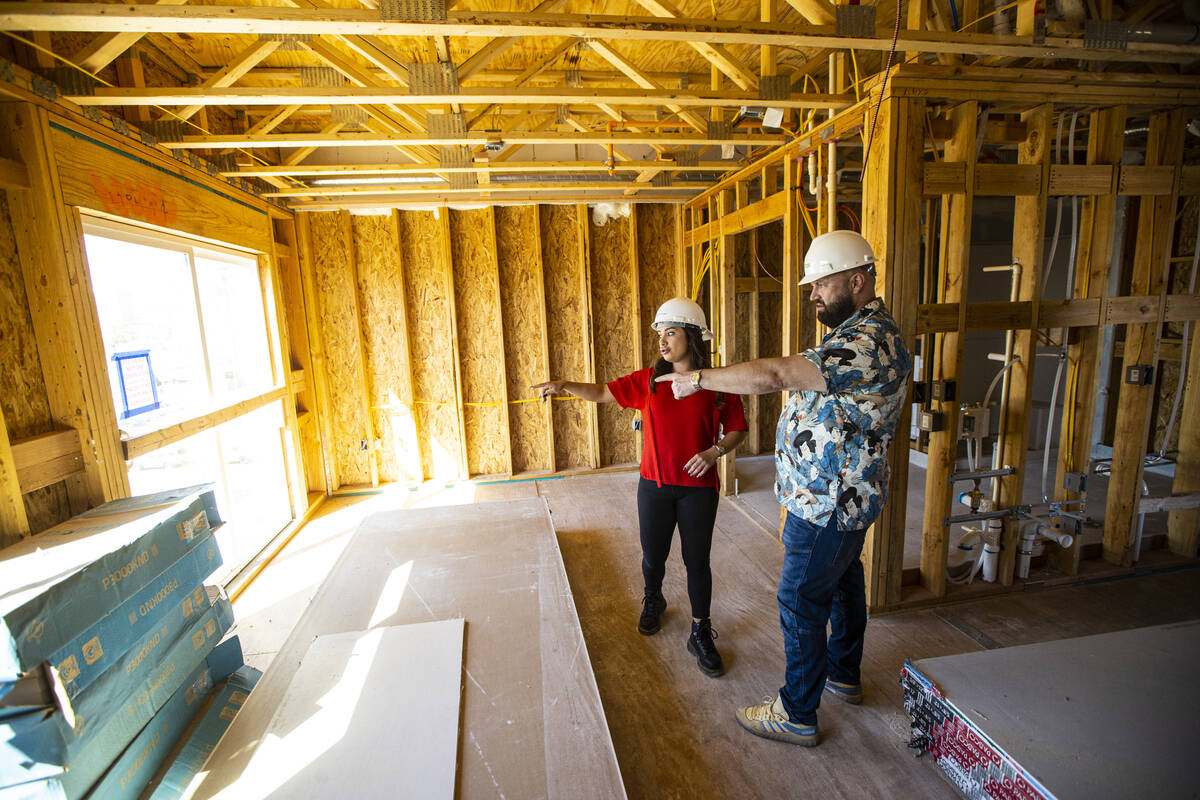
612	312
770	321
382	306
518	249
480	339
656	269
430	319
26	409
339	327
566	320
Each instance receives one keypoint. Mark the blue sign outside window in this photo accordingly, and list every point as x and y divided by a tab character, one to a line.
139	393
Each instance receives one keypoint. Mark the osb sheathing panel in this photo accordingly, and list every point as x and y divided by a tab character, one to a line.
656	269
381	305
614	343
770	326
480	338
429	295
22	389
743	303
339	328
566	321
518	249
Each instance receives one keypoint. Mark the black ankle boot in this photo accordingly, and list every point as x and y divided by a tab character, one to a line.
700	644
653	606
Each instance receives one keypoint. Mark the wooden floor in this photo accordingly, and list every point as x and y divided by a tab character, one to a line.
673	728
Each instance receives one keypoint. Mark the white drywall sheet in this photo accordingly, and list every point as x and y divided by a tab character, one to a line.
368	714
532	725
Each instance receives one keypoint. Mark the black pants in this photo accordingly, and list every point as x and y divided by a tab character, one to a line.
694	509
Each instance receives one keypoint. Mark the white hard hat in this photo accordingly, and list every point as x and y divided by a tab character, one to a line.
836	251
679	311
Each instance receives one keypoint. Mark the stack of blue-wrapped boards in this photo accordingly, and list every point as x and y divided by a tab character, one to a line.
108	646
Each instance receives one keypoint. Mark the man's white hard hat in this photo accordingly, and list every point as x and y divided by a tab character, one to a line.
833	252
679	311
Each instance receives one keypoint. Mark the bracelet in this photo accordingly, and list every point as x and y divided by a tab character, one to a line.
720	450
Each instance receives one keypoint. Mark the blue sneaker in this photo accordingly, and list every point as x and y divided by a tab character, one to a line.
770	720
846	692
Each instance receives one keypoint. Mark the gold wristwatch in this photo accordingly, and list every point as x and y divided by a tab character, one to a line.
695	380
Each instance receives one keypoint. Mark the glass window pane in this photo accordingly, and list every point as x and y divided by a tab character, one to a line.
235	327
259	505
146	301
184	463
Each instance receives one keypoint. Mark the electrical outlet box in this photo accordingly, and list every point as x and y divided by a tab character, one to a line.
364	445
929	421
1075	482
943	391
1139	374
974	422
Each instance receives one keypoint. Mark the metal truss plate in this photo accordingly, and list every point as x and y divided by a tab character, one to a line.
856	21
662	179
348	115
687	158
719	129
439	78
1106	34
287	41
413	10
446	126
320	77
775	87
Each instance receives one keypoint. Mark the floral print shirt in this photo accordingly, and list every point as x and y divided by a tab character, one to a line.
831	446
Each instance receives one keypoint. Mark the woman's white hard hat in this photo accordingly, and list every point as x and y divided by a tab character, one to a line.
833	252
679	311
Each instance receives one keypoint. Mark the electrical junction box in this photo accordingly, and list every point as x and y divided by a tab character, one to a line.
974	422
1139	374
929	421
943	390
1075	482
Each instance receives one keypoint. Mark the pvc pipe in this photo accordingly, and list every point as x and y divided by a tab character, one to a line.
1025	549
991	546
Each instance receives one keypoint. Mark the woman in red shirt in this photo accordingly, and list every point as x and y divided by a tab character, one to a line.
678	486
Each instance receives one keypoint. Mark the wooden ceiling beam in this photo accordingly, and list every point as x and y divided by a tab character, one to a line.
473	138
105	17
641	79
818	12
525	76
240	65
484	55
106	47
243	96
423	200
361	77
350	191
363	170
715	54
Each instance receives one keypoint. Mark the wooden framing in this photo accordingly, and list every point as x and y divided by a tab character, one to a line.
947	364
1105	149
364	395
1155	228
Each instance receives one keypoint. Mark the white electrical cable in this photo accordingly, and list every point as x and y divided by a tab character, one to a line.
1058	213
987	398
1183	355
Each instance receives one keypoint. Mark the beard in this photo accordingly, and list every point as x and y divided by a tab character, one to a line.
837	311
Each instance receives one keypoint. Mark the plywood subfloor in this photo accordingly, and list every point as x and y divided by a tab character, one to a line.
673	728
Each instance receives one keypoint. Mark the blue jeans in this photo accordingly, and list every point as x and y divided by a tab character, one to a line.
822	581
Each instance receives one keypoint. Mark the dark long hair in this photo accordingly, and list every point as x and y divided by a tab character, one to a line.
698	355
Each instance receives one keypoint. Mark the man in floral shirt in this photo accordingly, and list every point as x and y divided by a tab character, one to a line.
831	476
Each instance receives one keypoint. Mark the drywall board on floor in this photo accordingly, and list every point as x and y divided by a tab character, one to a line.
1112	715
369	713
531	722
